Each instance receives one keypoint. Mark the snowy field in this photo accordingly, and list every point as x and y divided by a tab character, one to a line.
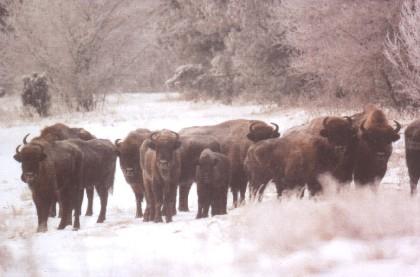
354	233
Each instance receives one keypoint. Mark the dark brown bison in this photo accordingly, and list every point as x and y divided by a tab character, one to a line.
235	137
48	168
212	183
335	131
160	161
367	160
61	131
291	162
99	158
190	149
412	153
128	150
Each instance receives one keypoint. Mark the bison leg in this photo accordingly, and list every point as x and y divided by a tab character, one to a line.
53	209
314	187
42	209
77	208
66	216
103	196
139	199
89	194
158	195
184	190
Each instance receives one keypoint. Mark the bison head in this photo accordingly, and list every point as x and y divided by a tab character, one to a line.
260	131
205	167
379	137
129	161
339	131
165	143
30	157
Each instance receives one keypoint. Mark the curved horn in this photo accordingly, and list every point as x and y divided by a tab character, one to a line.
17	149
324	122
398	128
276	127
117	142
24	138
362	126
176	134
348	118
251	126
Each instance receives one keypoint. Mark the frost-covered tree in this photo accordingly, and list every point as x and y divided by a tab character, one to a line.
403	52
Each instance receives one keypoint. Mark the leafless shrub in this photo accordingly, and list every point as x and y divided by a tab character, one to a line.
402	50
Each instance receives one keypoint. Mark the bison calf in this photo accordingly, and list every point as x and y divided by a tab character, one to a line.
212	177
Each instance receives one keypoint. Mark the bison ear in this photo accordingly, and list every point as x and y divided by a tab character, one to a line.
251	137
17	158
324	133
276	135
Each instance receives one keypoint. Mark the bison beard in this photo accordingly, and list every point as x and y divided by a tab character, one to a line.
212	183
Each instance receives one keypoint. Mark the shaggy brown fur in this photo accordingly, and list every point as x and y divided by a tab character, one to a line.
412	153
128	150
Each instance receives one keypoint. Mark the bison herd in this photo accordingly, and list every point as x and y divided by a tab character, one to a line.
160	165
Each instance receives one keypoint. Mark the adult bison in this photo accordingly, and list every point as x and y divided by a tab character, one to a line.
235	137
160	161
99	158
337	132
60	131
291	162
48	168
212	183
128	152
367	160
190	150
412	153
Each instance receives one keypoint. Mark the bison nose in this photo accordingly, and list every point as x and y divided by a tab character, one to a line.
28	177
129	171
340	149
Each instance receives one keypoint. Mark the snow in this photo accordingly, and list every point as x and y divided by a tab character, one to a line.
355	233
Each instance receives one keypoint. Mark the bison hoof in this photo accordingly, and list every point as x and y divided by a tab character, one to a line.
42	229
139	215
61	226
168	219
158	220
183	209
100	220
88	213
76	228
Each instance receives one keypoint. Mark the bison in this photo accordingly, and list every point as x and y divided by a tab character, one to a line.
367	160
212	183
99	158
128	152
235	137
412	153
337	132
291	162
160	161
46	168
190	149
61	131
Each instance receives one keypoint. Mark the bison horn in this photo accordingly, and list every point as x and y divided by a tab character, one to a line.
176	134
276	127
252	125
362	126
17	149
324	122
348	118
152	135
398	128
117	142
24	139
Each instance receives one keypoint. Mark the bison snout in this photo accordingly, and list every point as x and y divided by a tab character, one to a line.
340	149
28	177
129	172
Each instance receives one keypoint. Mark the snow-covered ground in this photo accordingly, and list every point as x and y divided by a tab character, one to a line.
354	233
